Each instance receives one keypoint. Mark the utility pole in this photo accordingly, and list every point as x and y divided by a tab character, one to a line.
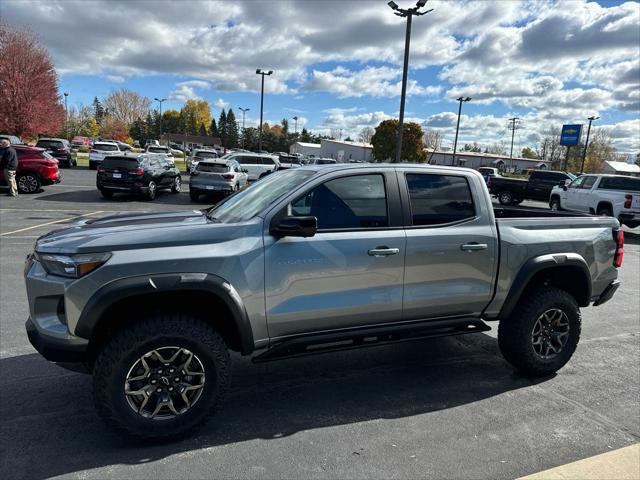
455	143
513	133
243	110
407	13
296	124
263	73
586	143
66	116
160	100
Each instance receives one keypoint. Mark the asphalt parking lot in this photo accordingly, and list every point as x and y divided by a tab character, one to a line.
441	408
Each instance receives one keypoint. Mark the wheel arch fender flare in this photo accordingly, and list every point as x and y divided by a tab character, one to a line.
541	264
130	287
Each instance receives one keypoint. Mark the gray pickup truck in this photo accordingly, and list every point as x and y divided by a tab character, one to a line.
305	261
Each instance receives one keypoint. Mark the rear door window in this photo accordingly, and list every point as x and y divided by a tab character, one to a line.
268	161
439	199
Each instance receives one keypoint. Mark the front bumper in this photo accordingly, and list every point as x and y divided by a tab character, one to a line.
607	294
56	344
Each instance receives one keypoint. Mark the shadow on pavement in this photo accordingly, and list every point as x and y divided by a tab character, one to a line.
47	412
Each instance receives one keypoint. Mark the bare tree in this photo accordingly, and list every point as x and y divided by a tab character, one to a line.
126	106
433	139
366	134
497	148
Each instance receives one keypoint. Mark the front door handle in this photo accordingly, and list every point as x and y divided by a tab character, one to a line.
383	251
469	247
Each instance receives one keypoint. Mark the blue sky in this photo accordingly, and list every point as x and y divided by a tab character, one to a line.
337	64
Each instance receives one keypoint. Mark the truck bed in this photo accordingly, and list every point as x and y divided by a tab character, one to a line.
532	212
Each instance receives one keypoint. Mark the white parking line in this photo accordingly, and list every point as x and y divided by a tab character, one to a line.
50	223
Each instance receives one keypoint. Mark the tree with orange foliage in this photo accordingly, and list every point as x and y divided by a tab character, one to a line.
29	100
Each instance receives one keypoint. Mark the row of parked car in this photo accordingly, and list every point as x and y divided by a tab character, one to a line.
605	195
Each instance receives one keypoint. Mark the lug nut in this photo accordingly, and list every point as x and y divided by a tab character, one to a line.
160	371
171	389
177	379
154	381
158	389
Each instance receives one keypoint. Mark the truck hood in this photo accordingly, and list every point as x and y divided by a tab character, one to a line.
134	231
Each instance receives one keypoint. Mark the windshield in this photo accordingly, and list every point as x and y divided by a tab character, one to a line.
157	150
248	203
105	147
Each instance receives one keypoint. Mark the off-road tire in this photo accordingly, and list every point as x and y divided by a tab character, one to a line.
515	332
159	330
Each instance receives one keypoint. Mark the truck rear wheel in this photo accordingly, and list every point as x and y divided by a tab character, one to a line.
505	197
542	333
162	377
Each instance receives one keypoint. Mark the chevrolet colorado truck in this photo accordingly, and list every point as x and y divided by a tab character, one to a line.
308	260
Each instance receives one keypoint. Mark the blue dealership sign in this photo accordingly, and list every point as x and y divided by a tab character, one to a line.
570	135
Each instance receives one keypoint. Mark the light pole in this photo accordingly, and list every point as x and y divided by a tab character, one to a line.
513	133
66	116
263	73
586	143
455	142
243	110
160	100
296	124
408	13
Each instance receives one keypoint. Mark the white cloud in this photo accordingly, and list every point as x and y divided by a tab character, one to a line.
115	78
370	81
220	103
184	93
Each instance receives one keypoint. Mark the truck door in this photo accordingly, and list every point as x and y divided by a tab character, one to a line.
452	245
351	272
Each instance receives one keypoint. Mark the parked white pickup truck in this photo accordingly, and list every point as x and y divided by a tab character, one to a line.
608	195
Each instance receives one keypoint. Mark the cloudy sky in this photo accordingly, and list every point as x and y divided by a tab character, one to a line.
337	64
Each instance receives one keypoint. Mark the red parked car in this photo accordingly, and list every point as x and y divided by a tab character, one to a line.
35	168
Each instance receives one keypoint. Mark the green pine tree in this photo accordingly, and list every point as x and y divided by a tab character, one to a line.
222	127
213	129
231	130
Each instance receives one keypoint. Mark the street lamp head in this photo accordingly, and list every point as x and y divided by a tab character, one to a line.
467	99
421	3
259	71
393	5
295	118
66	94
463	99
592	118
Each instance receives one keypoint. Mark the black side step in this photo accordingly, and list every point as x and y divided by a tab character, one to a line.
302	345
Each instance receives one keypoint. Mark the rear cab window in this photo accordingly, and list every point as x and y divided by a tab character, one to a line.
439	199
620	183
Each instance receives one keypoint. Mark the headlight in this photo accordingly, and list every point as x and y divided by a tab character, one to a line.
73	266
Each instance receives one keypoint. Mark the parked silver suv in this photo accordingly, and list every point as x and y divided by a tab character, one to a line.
305	261
217	177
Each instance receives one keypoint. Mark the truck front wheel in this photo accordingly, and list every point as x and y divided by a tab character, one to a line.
162	377
542	333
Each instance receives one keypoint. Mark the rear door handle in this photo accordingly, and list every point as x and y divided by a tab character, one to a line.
383	251
469	247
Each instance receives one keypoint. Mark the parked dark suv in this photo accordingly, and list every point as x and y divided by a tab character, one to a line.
137	174
60	149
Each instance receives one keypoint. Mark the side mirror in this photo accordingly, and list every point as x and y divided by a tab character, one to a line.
295	227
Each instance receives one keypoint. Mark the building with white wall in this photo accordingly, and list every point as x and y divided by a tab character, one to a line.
479	159
346	151
307	149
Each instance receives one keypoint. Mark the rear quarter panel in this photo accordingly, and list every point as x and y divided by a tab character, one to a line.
522	239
